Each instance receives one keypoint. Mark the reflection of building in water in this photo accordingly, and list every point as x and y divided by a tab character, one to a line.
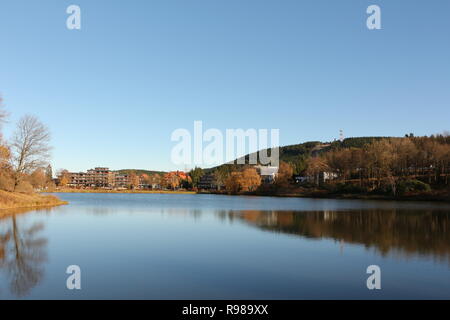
263	218
270	218
196	213
329	215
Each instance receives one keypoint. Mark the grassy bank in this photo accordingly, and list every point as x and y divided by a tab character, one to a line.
14	200
69	190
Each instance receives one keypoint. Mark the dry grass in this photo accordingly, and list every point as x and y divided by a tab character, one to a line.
13	200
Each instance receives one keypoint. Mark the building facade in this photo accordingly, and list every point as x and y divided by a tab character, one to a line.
100	177
268	174
207	182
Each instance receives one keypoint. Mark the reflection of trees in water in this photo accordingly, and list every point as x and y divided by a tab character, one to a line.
409	232
101	211
22	254
193	213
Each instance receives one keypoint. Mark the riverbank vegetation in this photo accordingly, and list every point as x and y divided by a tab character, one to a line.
415	168
13	200
24	165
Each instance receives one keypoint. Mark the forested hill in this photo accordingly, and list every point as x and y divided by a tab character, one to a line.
358	142
297	154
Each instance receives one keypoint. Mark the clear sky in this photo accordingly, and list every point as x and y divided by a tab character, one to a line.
113	92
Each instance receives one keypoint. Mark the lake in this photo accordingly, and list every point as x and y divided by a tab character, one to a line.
175	246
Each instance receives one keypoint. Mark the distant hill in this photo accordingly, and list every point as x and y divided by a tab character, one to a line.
298	153
141	171
357	142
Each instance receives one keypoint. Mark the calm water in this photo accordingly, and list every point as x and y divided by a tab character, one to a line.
145	246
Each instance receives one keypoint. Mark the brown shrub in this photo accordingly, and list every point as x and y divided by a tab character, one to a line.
6	182
24	187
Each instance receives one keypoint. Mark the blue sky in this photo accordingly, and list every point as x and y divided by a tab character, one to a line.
113	92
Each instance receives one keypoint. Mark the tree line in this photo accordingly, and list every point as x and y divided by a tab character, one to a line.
388	161
384	164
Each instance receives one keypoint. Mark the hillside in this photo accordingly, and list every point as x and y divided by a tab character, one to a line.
298	153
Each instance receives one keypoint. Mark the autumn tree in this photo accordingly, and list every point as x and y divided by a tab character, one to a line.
444	161
134	180
147	179
38	179
221	175
6	174
4	156
316	166
30	147
49	173
171	181
247	180
64	177
285	173
174	182
341	161
406	155
233	183
251	180
386	156
155	180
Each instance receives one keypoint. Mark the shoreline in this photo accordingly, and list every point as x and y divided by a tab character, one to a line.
417	198
121	191
20	201
312	195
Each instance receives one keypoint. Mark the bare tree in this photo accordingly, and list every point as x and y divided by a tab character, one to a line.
3	115
30	147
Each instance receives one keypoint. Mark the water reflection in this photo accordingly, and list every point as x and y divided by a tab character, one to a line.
406	232
400	232
166	232
22	253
